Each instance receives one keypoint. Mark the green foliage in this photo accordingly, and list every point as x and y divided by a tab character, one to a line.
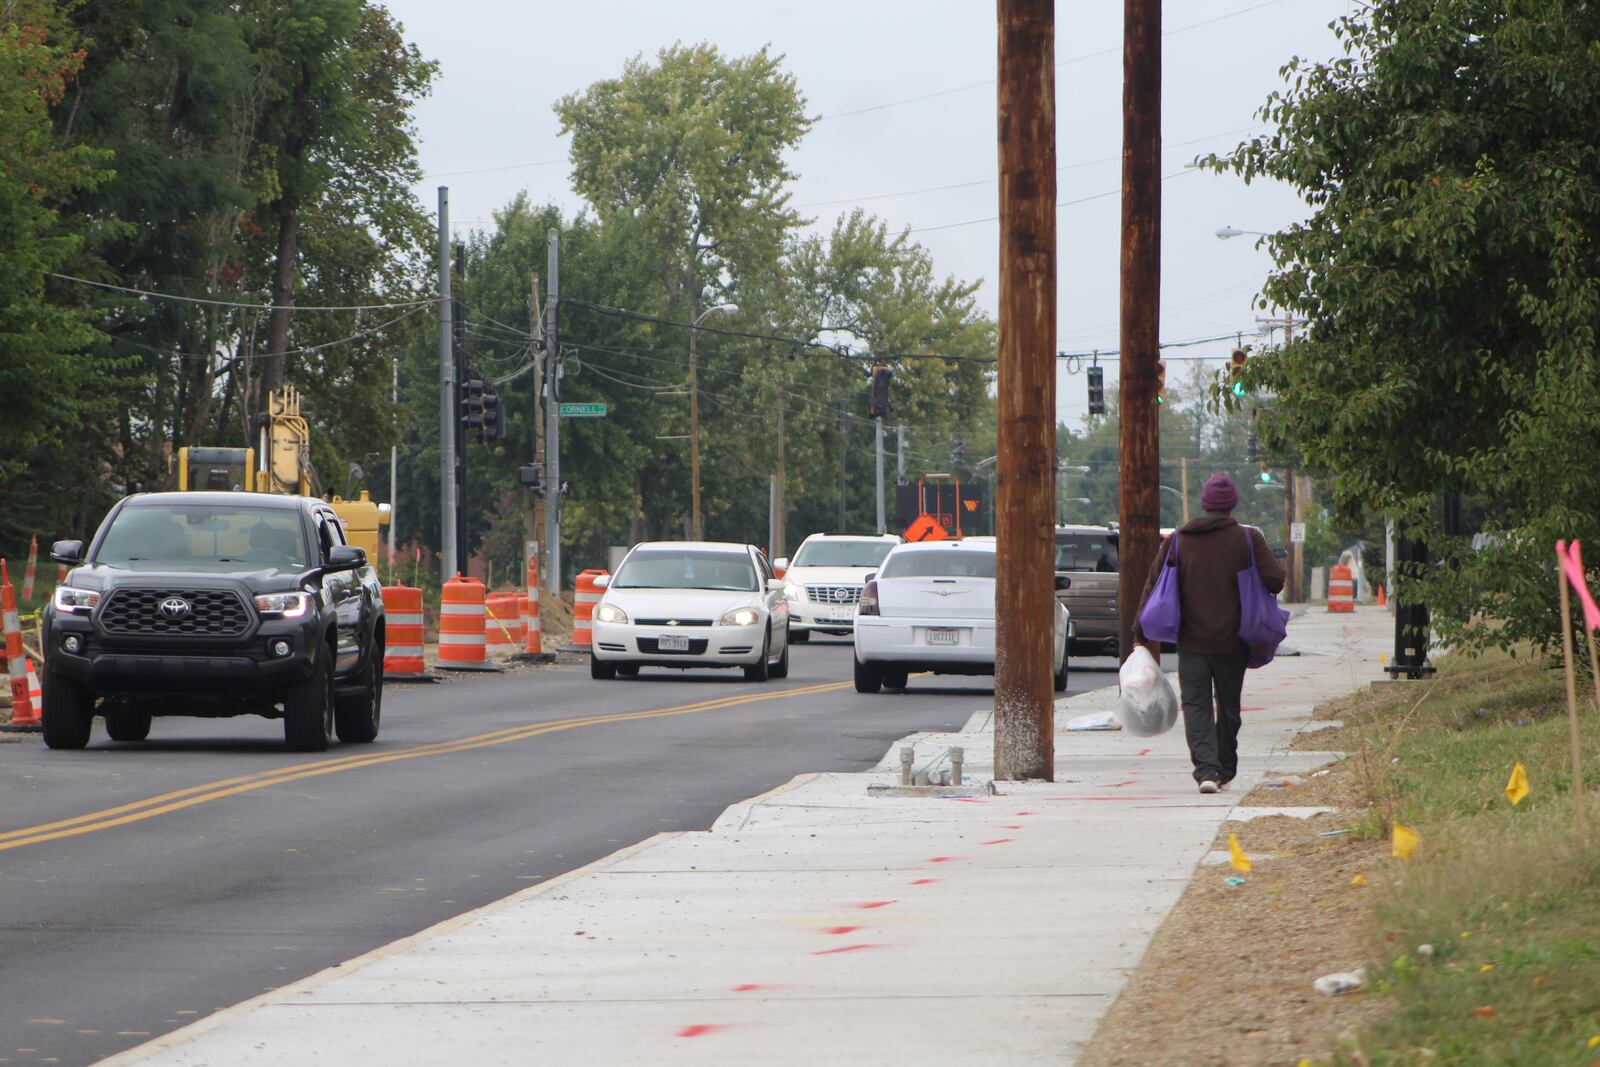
1447	270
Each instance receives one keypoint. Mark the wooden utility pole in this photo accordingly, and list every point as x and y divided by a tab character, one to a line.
1140	469
1025	470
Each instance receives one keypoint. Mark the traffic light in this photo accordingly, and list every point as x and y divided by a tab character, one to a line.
532	476
958	453
1236	371
1252	445
1097	390
1266	475
472	403
878	398
1161	381
494	417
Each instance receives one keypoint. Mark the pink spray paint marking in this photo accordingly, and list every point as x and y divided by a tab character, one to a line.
1252	709
1129	796
923	881
970	800
1010	826
702	1029
940	859
1024	813
1144	752
840	929
1119	785
871	904
999	841
844	948
751	987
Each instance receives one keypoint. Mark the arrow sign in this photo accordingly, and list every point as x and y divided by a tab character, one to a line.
583	411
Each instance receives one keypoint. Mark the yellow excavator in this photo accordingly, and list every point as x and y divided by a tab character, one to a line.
285	469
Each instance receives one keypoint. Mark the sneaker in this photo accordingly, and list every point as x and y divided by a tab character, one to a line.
1208	786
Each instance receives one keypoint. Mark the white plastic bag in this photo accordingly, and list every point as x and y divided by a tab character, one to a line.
1148	705
1095	720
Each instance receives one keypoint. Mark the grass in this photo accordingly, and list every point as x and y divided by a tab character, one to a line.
1507	900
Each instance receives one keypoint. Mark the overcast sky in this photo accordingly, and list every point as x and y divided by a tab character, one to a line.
905	94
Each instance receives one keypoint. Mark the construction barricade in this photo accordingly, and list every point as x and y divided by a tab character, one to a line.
24	712
1341	589
462	637
403	654
503	622
533	636
584	598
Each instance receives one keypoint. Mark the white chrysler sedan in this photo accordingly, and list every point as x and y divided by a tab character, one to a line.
691	604
930	607
825	578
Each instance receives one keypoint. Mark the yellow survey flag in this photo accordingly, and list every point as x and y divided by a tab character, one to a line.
1404	842
1517	788
1236	855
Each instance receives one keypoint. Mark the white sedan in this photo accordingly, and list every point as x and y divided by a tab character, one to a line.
691	604
930	607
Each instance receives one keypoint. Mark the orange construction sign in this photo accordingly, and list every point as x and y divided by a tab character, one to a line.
926	528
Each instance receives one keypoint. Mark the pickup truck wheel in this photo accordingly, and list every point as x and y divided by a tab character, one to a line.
761	670
356	716
869	677
128	723
308	709
66	709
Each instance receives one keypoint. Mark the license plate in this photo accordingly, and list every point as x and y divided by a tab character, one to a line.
944	637
673	643
834	622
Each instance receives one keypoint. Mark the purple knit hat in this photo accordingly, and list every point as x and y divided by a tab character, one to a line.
1219	494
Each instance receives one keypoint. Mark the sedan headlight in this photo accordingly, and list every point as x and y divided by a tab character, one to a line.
740	617
610	613
75	601
284	605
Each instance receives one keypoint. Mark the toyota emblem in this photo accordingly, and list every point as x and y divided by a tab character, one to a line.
175	607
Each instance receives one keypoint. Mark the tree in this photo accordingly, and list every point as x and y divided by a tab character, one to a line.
1448	273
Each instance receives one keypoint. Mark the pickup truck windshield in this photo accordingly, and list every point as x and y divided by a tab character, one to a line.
159	537
1086	552
949	563
842	553
687	570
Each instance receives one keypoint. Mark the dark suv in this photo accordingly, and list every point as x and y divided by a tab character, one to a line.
215	604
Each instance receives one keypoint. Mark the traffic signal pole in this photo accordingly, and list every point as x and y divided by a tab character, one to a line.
1024	700
883	525
1140	441
447	396
552	420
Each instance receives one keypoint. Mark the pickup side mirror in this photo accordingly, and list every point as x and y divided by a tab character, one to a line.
602	581
68	552
1063	582
345	558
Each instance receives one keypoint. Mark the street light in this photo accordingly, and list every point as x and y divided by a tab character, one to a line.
694	412
1233	231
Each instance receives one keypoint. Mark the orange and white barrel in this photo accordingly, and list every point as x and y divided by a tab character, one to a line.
24	712
503	621
584	599
32	573
402	613
461	623
530	611
35	690
1341	589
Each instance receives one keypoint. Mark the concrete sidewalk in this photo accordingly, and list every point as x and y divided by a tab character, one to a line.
816	923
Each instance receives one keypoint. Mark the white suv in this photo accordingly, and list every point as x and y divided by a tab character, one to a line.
824	581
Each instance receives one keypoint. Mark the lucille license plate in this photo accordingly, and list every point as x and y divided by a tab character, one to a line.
944	637
673	643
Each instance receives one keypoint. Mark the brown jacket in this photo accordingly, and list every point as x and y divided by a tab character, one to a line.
1211	553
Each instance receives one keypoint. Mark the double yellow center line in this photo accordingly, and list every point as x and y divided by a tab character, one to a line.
193	796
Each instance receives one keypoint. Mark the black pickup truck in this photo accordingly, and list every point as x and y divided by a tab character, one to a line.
215	604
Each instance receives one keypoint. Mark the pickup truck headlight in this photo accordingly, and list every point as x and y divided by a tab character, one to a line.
740	617
610	613
283	605
76	601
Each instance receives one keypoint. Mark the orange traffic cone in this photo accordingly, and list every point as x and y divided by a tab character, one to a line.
1382	600
32	572
24	715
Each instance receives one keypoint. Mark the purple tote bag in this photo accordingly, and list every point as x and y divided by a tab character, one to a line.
1162	612
1262	624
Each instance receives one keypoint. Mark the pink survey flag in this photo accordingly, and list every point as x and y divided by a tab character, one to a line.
1571	558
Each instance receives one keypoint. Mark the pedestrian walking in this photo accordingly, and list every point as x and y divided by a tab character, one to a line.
1209	553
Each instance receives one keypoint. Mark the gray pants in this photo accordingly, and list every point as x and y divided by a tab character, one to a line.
1212	684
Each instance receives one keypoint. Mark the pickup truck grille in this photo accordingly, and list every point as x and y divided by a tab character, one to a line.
833	594
138	613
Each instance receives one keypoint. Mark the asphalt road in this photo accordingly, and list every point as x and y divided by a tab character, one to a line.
145	885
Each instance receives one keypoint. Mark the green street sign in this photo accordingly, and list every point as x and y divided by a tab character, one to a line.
583	411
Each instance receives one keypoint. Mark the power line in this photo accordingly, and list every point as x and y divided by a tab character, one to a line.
1061	203
233	304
